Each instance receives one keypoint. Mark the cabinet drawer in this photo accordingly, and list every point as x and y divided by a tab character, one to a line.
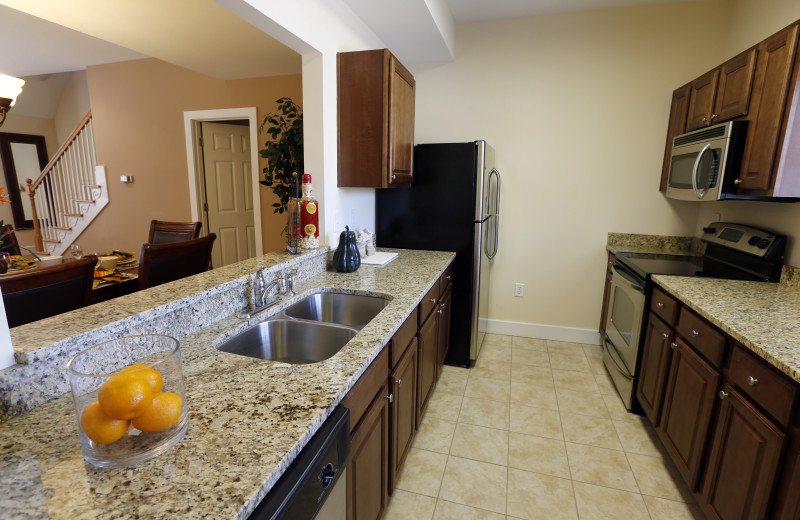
701	335
366	388
664	306
756	379
428	302
403	336
445	279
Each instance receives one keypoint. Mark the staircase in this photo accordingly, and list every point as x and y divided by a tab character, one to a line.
70	192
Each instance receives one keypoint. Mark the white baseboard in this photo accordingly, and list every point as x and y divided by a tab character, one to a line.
540	331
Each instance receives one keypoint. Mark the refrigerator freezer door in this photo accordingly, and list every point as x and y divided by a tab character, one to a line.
484	164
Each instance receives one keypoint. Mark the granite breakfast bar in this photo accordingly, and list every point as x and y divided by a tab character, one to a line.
249	418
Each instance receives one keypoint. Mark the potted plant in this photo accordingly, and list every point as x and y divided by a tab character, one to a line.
284	152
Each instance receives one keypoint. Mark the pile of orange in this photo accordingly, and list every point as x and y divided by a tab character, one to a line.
131	396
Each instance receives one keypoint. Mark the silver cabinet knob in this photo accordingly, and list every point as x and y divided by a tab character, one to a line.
439	311
665	335
449	277
660	305
705	119
673	345
390	397
714	116
752	381
393	177
723	394
695	333
433	301
737	181
399	382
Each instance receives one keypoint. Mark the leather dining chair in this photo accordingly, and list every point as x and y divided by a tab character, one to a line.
162	263
9	244
46	291
162	232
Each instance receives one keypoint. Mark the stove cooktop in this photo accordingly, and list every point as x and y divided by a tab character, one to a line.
645	264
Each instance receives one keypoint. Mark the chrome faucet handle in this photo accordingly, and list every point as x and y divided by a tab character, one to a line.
288	282
259	287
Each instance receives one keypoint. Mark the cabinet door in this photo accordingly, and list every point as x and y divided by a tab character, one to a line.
655	366
689	401
443	330
735	84
678	114
403	383
426	373
770	89
744	460
701	100
401	124
368	470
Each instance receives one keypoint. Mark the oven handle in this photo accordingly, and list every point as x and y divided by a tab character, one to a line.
696	167
623	373
631	280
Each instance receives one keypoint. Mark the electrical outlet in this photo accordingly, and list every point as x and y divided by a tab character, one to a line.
519	290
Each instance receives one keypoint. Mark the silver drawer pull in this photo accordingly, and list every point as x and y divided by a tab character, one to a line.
665	335
449	277
695	333
752	381
433	301
673	345
390	397
660	305
723	394
399	382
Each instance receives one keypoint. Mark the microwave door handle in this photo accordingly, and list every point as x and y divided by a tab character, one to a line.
700	193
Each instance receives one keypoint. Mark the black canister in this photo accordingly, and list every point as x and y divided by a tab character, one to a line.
346	259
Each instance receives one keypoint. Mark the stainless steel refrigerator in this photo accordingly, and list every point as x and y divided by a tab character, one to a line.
452	205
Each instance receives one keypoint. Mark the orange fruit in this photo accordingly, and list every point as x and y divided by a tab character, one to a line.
161	412
124	395
101	428
152	376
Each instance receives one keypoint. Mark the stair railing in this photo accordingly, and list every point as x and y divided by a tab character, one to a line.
61	193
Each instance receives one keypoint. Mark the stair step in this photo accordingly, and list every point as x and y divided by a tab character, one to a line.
51	241
73	214
87	201
63	228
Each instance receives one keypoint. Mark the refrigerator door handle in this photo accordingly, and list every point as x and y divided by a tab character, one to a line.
496	215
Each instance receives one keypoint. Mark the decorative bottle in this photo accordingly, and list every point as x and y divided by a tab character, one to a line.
293	231
309	216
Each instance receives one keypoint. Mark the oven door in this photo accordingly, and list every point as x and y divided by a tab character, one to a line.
625	315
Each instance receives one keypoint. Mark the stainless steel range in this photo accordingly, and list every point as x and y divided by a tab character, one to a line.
733	251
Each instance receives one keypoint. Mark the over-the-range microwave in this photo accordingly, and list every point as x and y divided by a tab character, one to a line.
705	163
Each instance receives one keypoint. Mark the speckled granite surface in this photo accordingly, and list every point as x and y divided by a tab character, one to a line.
672	245
248	418
764	317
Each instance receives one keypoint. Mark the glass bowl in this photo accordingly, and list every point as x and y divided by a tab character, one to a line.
130	399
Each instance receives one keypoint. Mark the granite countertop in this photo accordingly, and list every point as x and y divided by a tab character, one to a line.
670	245
248	418
764	317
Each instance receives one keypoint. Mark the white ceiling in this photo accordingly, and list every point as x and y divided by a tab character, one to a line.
42	36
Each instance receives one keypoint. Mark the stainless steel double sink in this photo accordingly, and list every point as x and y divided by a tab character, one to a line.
309	331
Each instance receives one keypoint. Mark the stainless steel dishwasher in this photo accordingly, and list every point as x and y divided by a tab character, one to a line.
315	485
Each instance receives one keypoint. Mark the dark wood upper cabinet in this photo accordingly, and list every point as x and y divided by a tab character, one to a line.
376	120
701	100
734	88
775	62
678	115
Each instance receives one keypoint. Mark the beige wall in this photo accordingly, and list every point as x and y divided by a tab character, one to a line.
752	21
576	107
138	107
73	105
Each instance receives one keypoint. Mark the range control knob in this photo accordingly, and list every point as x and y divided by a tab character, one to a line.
763	243
709	230
753	240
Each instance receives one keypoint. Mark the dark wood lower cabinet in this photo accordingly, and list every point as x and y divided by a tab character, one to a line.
689	402
403	382
744	460
655	367
426	372
368	470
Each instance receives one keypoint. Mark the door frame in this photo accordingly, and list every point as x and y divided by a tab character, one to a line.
194	160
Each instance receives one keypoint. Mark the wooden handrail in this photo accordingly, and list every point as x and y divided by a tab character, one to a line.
78	129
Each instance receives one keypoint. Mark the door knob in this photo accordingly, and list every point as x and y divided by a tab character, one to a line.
737	181
752	381
723	394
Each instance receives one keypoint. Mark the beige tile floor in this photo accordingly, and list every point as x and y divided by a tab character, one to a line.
536	431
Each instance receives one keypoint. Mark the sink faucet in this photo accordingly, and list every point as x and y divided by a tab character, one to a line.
262	288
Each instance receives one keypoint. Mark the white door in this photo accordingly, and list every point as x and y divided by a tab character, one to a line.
229	194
